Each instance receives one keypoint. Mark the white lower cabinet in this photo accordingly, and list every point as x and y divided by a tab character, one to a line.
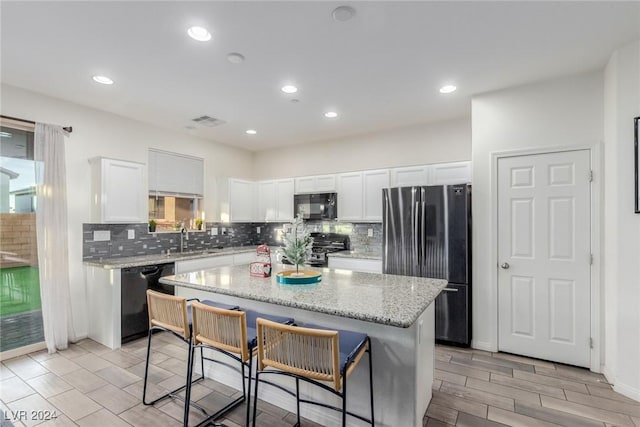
363	265
244	258
189	265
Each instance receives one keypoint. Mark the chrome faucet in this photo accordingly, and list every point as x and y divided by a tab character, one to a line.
184	237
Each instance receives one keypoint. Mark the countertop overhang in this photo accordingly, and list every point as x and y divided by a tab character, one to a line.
378	298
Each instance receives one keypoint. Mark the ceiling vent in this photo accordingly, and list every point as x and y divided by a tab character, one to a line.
208	121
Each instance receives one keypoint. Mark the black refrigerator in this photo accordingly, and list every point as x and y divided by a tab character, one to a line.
426	232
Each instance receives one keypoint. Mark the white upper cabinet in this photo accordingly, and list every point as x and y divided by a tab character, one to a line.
374	182
275	200
434	174
450	173
267	203
172	173
118	191
315	184
350	201
409	176
284	199
236	200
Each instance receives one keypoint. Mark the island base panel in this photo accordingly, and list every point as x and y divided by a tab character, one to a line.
403	362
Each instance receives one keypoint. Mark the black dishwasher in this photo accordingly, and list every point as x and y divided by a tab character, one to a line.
133	297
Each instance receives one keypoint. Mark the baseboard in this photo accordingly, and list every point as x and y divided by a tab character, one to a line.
483	345
608	374
21	351
630	392
80	338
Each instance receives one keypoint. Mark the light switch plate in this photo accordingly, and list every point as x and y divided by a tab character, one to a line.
214	231
370	232
131	234
101	235
258	230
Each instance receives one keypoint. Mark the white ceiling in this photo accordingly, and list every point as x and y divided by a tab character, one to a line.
380	70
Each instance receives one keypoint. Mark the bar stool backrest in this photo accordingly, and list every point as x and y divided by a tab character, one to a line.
220	328
169	312
310	353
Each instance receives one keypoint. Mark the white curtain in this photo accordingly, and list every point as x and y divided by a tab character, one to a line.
51	230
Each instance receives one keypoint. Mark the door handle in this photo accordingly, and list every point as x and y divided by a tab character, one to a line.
450	290
505	266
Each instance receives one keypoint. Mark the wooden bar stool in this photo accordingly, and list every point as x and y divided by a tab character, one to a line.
312	354
232	333
171	313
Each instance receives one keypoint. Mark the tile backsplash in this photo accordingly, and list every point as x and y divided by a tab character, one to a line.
228	234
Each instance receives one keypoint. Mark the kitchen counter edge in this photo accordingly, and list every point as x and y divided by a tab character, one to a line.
356	255
142	260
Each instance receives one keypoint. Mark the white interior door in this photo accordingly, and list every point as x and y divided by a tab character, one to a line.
544	256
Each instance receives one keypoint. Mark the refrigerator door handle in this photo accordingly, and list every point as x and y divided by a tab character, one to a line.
423	240
416	234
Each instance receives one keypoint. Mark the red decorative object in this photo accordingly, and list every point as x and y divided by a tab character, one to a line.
262	266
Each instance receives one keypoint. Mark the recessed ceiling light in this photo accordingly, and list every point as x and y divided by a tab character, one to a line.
103	80
289	89
343	13
250	132
199	33
5	135
448	89
331	114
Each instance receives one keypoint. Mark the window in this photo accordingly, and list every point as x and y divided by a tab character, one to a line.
20	306
176	187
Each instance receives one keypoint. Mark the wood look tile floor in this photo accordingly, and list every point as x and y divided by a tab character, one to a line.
477	388
91	385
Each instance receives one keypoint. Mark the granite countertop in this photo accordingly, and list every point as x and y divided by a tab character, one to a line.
379	298
142	260
357	254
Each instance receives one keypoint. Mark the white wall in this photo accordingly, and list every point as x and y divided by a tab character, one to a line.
563	112
621	225
438	142
97	133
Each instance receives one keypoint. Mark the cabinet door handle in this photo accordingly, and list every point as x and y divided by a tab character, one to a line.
450	290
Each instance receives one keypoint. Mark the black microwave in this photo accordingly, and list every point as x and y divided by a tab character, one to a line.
316	206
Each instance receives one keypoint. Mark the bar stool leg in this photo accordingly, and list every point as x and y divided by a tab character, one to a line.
248	392
344	401
297	402
370	380
146	369
202	362
187	393
255	399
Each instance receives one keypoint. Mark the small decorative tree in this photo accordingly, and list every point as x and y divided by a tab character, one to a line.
298	243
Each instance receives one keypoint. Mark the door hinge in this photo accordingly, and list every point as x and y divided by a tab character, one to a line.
590	259
590	342
590	176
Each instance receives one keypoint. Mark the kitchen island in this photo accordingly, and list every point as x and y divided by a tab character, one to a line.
397	312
